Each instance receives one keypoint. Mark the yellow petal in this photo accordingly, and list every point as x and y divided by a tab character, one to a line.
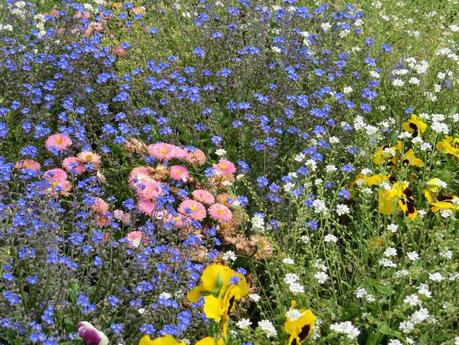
213	308
210	341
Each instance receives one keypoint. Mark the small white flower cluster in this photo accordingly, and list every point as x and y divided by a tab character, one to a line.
319	206
363	293
229	256
268	328
243	323
258	222
292	280
321	274
346	328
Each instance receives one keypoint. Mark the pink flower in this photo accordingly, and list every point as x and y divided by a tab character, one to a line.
148	189
29	164
193	209
179	173
90	334
166	152
195	156
134	239
73	165
55	175
58	142
90	157
100	206
146	206
221	213
225	167
122	216
203	196
139	174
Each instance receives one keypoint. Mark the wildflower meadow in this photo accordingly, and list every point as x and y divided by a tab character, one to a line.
231	172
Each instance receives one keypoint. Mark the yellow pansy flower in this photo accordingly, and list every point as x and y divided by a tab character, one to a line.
411	159
166	340
388	198
414	125
406	204
210	341
301	327
381	155
215	279
449	145
219	308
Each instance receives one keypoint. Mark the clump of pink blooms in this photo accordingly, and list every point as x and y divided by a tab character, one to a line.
172	173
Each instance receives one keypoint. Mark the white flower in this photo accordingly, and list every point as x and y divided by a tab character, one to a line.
333	140
310	163
423	289
293	314
390	252
347	89
425	146
243	323
331	168
406	326
412	256
360	293
401	273
288	261
276	49
229	256
288	186
291	278
141	311
398	82
296	288
419	316
300	157
412	300
342	209
258	222
392	228
165	295
220	152
387	263
326	26
267	327
305	239
330	238
436	277
394	342
321	277
254	297
319	206
346	328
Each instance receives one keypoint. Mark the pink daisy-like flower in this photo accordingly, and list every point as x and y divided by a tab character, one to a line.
148	189
193	209
203	196
90	157
221	213
58	142
195	156
166	152
139	174
55	175
134	239
73	165
179	173
225	167
122	216
60	187
100	206
29	164
146	206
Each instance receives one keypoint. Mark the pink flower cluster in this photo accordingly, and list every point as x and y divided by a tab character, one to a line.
148	182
